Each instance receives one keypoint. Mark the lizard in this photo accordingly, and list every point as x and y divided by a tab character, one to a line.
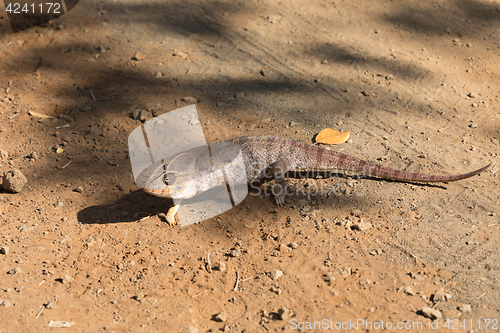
263	156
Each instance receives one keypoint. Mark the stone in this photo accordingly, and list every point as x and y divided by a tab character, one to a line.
14	180
222	267
221	316
4	250
285	313
4	156
362	226
431	313
465	308
138	56
235	252
275	274
189	100
15	270
67	279
439	296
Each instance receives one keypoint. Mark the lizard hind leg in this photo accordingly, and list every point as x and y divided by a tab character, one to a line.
279	168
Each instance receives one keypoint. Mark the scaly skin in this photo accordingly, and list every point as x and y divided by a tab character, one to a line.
187	174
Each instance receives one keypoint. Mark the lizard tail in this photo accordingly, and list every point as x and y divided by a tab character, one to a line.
360	167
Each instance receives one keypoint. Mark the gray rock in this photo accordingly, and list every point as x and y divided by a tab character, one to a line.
14	180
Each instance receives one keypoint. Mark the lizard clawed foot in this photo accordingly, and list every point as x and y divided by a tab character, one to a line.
279	196
171	214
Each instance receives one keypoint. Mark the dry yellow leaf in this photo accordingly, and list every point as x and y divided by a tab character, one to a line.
330	136
59	150
39	115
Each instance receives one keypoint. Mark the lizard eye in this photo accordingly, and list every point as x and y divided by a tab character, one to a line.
169	179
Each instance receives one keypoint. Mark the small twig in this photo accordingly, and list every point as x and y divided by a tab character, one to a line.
209	264
480	296
251	277
199	294
63	126
435	305
66	164
41	282
14	115
237	281
92	94
43	307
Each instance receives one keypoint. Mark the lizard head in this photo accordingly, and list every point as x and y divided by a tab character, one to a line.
176	181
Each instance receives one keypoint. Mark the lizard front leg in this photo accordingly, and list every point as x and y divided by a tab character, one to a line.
279	168
172	211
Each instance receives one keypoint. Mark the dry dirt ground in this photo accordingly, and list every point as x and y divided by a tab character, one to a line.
416	83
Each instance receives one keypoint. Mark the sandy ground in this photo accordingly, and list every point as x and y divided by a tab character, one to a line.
416	83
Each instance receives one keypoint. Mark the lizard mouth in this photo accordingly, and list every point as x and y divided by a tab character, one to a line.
158	192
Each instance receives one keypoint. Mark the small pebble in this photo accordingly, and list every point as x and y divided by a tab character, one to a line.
221	316
222	267
361	226
4	156
235	252
294	245
192	329
189	100
49	305
67	278
409	291
4	250
59	204
5	303
285	313
138	56
15	270
158	74
465	308
79	189
431	313
275	274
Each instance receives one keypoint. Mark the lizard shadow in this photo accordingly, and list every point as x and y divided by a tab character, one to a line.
331	175
138	204
128	208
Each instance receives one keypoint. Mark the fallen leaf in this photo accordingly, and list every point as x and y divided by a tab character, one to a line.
39	115
330	136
